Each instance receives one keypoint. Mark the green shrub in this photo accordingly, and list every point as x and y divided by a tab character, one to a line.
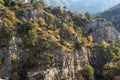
26	27
16	7
38	5
88	16
5	35
118	65
31	62
31	37
50	16
109	54
118	68
106	66
7	2
22	12
71	23
14	58
45	45
88	71
62	42
29	33
48	58
79	31
42	2
117	50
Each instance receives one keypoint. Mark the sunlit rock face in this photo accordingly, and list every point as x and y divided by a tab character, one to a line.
66	68
101	30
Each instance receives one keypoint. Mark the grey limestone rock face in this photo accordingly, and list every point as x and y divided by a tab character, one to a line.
101	30
66	68
6	58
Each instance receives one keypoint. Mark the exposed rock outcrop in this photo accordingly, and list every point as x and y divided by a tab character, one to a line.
101	30
67	65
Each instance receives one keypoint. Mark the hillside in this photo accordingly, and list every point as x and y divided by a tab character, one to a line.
113	15
39	42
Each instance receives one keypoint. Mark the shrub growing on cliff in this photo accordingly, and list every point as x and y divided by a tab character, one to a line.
39	4
88	71
50	16
7	2
31	37
118	65
62	42
45	45
41	22
42	2
14	58
31	62
88	16
5	35
25	28
15	76
48	58
79	31
29	33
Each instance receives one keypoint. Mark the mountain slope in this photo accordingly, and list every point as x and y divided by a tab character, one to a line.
92	6
50	43
113	15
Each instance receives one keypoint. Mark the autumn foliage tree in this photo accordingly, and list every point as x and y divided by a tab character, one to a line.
88	40
85	40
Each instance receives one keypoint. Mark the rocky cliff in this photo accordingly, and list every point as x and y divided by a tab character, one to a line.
114	15
50	43
102	28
